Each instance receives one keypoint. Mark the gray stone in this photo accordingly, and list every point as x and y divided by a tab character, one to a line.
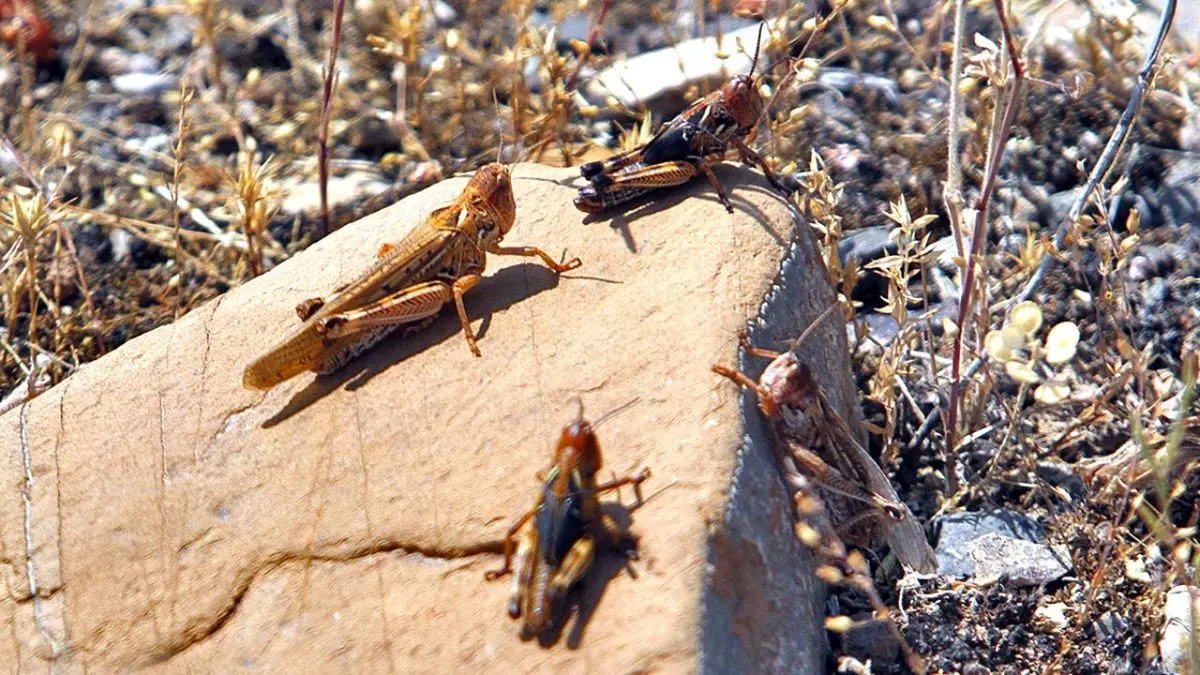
866	244
1017	561
957	530
114	61
1178	630
1180	191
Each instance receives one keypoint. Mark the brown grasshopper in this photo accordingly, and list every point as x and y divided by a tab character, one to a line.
558	547
811	438
683	148
408	285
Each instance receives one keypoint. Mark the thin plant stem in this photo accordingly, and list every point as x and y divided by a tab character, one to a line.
339	8
1000	134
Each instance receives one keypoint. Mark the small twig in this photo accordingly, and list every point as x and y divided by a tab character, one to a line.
176	174
593	35
339	8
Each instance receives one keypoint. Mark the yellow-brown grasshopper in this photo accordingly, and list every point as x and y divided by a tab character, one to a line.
812	439
683	149
558	547
409	284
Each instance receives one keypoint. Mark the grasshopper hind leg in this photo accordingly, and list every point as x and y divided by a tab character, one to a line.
526	560
574	566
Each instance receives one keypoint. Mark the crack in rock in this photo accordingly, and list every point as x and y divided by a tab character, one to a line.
204	628
27	498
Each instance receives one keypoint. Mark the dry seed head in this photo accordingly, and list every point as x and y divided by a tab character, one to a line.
1183	552
1061	343
857	562
1027	316
807	535
807	504
829	574
1051	392
839	624
879	22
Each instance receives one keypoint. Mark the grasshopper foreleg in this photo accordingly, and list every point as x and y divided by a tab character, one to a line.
703	166
460	288
761	352
752	158
534	252
635	481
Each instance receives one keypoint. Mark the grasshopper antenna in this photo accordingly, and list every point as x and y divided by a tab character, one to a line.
499	127
612	412
812	326
757	47
579	408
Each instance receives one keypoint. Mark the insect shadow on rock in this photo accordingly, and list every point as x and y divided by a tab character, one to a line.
741	178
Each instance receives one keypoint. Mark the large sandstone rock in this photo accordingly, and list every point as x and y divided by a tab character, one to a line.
154	514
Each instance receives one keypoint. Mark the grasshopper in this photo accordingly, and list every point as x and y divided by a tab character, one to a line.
557	549
683	148
858	495
408	285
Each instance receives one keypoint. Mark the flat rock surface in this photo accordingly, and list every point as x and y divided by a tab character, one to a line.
157	515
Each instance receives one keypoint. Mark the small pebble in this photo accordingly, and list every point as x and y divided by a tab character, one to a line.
143	84
1178	631
1112	626
114	61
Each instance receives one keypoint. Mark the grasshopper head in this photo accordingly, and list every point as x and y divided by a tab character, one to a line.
743	101
578	449
788	383
493	183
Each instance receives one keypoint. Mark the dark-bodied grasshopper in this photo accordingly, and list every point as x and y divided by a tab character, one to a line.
409	284
558	547
683	148
812	439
